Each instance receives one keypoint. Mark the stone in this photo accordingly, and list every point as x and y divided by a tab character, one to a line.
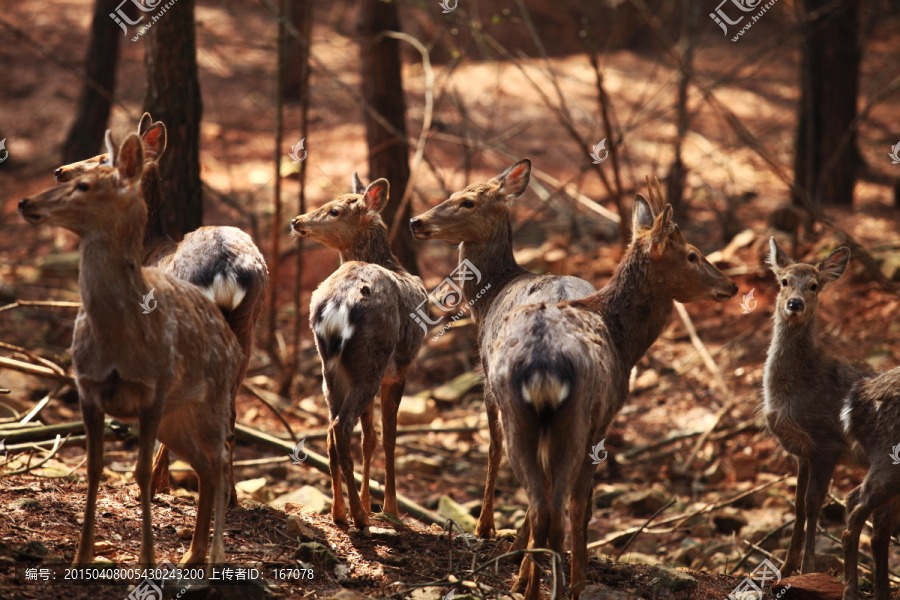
316	552
299	530
309	496
670	579
812	586
451	509
255	488
431	592
605	494
416	411
415	463
640	504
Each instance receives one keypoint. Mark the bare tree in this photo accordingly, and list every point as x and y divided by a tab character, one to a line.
173	96
382	87
86	133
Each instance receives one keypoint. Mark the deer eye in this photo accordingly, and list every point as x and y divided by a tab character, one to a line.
469	203
692	257
82	186
814	287
334	212
784	283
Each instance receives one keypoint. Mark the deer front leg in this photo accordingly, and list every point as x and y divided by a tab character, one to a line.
816	490
792	561
93	424
391	394
149	426
368	447
485	526
580	514
883	523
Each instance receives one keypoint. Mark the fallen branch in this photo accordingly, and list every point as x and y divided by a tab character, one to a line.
51	454
768	537
641	528
24	367
60	303
258	394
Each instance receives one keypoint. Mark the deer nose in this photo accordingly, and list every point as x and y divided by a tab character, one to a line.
57	173
415	224
294	222
22	203
795	305
734	288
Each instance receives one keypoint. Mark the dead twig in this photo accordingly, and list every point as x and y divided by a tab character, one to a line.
258	394
29	467
641	528
60	303
767	537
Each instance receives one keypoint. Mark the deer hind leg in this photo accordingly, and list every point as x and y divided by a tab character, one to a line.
391	393
369	442
883	524
579	515
816	489
335	398
864	503
160	478
540	529
486	526
93	423
792	561
358	400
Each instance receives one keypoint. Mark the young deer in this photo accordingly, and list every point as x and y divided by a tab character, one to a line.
803	390
366	339
176	369
222	261
871	415
479	218
560	375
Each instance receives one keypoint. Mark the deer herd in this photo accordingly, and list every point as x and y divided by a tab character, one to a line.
556	354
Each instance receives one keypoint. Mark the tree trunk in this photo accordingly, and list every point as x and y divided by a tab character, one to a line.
299	17
89	127
173	97
825	163
382	88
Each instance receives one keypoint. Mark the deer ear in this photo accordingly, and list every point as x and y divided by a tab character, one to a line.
641	215
144	125
356	184
130	160
659	234
834	265
514	180
154	141
376	195
778	258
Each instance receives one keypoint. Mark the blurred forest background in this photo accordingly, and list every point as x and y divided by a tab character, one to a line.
785	129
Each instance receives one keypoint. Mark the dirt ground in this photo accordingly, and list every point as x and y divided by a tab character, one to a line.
652	443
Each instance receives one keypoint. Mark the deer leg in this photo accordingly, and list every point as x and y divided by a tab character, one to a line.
390	403
540	529
208	474
527	563
338	508
93	424
816	490
368	447
883	523
792	561
143	471
579	515
217	555
521	541
160	479
343	430
850	539
486	526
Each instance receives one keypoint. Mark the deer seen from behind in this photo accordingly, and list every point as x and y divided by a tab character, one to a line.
175	369
560	375
367	341
478	217
871	416
222	261
804	387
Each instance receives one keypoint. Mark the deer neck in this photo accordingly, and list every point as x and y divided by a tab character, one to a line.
154	232
371	246
792	343
633	308
495	262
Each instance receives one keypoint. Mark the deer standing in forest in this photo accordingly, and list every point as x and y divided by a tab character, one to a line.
560	375
478	217
175	368
365	335
222	261
871	416
804	386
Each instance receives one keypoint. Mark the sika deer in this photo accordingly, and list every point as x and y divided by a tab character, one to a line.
804	387
176	369
366	339
222	261
479	218
560	375
871	415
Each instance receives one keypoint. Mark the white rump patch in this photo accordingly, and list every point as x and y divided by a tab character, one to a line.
542	389
335	322
845	415
225	291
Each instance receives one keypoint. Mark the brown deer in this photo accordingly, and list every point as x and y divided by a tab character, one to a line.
222	261
175	366
871	416
804	386
365	336
479	218
560	375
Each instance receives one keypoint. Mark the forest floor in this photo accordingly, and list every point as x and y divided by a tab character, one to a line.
653	465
